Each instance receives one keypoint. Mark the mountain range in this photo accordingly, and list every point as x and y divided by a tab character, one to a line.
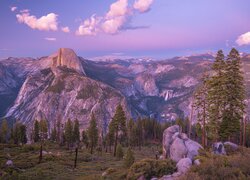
64	86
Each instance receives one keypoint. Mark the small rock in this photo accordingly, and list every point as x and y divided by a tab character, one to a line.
184	165
45	152
197	162
218	148
9	163
177	174
161	157
154	178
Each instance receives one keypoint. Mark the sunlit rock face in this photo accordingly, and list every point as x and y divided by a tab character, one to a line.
68	58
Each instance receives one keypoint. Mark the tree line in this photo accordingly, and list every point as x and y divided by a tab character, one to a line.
219	101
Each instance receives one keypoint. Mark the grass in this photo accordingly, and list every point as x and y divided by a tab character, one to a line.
59	164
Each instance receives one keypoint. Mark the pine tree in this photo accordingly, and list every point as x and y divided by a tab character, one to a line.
118	124
201	106
53	134
235	96
85	139
69	133
43	127
92	133
129	158
76	132
36	131
130	127
16	132
216	96
4	131
119	152
22	135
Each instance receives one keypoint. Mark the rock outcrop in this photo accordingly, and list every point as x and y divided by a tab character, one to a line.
177	145
221	148
68	58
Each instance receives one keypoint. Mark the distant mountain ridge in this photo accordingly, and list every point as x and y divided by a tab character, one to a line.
63	86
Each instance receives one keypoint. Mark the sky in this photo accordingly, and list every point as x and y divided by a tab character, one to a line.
126	28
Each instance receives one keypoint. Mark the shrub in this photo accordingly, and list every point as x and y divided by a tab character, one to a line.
151	168
215	167
119	152
129	158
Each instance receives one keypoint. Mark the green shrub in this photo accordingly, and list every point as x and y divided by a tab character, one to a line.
218	167
151	168
129	158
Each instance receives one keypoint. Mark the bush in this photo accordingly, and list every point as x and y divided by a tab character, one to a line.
129	158
119	152
215	167
151	168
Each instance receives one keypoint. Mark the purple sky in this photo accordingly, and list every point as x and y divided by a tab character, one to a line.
155	28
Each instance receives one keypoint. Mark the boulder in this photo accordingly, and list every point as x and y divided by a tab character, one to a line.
9	163
177	145
167	138
218	148
178	150
184	165
233	146
192	148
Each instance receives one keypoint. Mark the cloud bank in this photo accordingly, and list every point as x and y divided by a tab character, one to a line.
44	23
115	20
244	39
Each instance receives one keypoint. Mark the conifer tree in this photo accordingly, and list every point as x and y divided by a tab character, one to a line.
36	131
92	133
85	139
69	133
201	106
22	135
130	127
216	96
235	96
118	124
76	132
4	131
43	127
53	134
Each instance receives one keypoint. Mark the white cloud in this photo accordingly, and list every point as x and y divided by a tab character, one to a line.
89	26
114	25
50	39
116	17
115	20
118	8
13	8
24	11
142	5
244	39
44	23
65	29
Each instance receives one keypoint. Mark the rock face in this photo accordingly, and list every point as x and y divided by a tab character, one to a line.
62	92
67	57
177	145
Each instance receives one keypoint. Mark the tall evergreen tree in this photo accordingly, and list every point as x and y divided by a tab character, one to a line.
201	106
92	133
235	96
4	131
53	137
85	139
130	127
76	132
22	135
216	96
36	130
43	127
69	133
118	124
